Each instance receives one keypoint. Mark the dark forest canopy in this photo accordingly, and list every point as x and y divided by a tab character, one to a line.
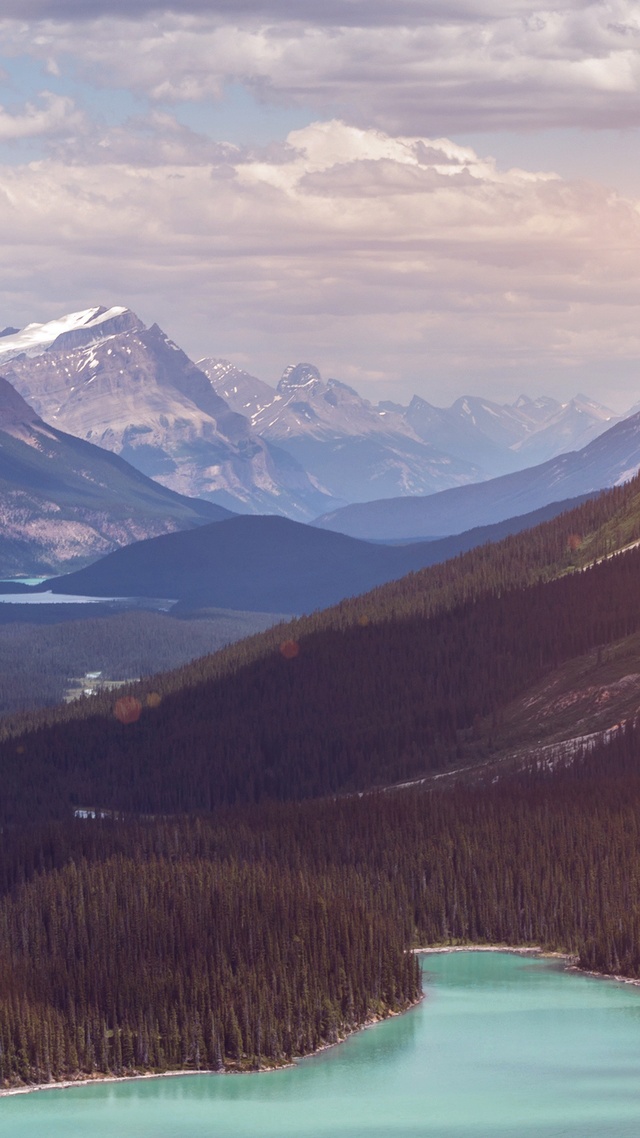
255	934
343	710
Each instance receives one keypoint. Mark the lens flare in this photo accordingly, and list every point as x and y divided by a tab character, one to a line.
127	709
289	649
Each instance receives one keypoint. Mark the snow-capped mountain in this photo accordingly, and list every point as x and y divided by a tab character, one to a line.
348	446
103	376
64	502
66	332
213	431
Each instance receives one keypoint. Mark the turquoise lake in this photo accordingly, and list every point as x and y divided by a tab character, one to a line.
502	1047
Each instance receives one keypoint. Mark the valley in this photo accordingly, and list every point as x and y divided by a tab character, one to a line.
296	755
319	569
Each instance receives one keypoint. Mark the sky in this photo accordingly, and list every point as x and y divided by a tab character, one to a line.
430	196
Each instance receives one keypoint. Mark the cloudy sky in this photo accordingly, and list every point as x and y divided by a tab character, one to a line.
440	196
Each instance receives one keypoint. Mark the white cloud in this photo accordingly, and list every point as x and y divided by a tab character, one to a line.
57	115
404	257
415	67
153	139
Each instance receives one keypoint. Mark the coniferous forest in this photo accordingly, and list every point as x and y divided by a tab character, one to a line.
350	709
246	891
255	934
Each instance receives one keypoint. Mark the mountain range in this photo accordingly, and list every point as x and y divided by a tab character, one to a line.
350	448
192	443
612	458
213	431
358	451
129	389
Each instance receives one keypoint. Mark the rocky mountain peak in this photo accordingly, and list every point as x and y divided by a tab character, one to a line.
135	392
302	378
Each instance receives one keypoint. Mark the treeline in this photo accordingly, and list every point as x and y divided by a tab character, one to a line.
567	542
260	933
347	710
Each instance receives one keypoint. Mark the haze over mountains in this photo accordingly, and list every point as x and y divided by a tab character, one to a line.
611	459
227	439
353	450
213	431
267	564
359	451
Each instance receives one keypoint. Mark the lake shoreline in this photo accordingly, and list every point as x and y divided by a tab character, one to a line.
569	959
88	1081
535	951
526	950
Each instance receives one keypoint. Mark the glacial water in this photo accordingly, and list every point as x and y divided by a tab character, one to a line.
502	1047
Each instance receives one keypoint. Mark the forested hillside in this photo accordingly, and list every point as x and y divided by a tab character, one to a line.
338	711
570	541
44	647
206	919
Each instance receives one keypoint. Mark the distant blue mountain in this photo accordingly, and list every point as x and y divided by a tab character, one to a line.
267	564
612	458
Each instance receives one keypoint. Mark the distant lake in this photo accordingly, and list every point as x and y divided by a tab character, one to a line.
22	580
503	1046
50	598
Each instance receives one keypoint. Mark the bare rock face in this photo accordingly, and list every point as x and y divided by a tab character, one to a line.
133	391
64	502
353	449
244	393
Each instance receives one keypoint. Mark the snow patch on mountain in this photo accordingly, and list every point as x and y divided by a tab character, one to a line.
36	338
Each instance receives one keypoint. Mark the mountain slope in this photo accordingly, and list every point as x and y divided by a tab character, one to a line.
64	502
267	564
132	391
572	540
341	708
610	459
